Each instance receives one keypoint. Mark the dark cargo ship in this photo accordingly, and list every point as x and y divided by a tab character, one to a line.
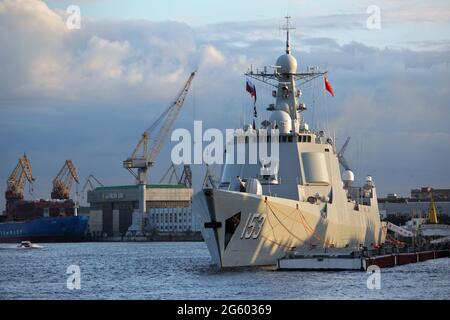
52	220
42	221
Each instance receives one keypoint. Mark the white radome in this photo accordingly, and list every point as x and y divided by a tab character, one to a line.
287	63
348	177
284	106
282	119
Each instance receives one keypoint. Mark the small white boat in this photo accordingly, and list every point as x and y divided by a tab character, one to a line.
28	245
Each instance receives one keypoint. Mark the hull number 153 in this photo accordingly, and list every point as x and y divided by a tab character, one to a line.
253	226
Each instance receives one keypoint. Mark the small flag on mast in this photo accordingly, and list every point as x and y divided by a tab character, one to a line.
328	86
251	89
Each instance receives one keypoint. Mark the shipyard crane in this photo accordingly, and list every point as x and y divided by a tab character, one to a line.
172	172
173	175
17	179
90	183
209	181
146	151
340	155
63	181
186	176
432	212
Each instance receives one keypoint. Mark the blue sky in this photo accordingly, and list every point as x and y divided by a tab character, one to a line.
405	23
200	12
87	94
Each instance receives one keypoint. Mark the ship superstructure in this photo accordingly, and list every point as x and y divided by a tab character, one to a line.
303	203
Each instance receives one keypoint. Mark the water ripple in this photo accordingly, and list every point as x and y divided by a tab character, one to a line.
184	271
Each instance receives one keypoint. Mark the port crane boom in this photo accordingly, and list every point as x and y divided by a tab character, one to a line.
146	151
340	155
17	179
63	181
90	183
186	176
172	172
144	154
209	181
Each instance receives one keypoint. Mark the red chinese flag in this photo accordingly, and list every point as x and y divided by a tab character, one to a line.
328	86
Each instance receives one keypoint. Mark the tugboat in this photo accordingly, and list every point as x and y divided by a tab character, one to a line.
256	216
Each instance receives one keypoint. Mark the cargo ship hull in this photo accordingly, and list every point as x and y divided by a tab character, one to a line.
48	229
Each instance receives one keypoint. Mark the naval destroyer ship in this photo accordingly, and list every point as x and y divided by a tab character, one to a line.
305	203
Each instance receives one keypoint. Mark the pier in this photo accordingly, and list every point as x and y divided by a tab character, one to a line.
386	257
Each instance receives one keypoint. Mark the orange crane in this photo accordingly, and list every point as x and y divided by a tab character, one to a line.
63	181
17	179
146	151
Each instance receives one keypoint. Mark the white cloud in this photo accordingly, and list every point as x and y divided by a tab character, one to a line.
104	58
212	57
42	59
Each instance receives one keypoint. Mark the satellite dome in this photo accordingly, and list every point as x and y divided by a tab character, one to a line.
287	63
284	106
283	121
348	177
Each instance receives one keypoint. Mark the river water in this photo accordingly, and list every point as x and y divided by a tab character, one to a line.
183	270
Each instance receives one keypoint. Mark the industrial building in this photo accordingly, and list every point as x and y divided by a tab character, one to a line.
114	210
424	194
172	220
144	209
413	208
417	204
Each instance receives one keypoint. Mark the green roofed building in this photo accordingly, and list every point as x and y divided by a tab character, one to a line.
112	209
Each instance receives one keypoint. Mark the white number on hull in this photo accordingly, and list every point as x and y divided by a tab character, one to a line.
253	226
